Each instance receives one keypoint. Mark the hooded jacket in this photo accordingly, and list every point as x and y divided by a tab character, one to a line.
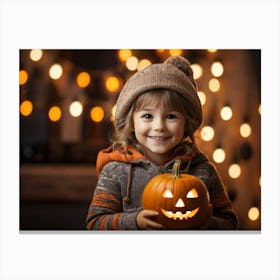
123	176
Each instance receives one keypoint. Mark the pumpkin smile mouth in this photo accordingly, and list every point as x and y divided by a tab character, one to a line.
179	215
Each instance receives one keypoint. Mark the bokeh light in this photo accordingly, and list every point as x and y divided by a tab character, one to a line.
214	85
124	55
212	50
253	213
132	63
55	71
217	69
54	113
234	170
207	133
83	79
174	52
97	114
112	84
76	108
219	155
226	113
36	54
245	130
23	77
197	71
202	97
143	63
26	108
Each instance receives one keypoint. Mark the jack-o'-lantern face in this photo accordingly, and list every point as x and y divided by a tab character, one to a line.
181	200
182	212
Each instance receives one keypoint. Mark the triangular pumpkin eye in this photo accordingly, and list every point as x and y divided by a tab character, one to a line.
192	194
167	194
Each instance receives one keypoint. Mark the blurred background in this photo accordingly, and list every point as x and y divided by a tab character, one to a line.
67	100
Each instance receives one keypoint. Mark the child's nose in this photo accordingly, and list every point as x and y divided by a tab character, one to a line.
159	124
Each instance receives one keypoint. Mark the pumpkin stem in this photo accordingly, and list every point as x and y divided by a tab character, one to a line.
176	169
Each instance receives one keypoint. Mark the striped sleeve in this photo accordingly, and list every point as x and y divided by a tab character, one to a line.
105	211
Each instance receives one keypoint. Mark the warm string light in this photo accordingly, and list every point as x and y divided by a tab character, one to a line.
132	63
202	97
76	108
55	71
217	69
124	55
23	77
36	54
112	84
234	170
83	79
143	63
207	133
214	85
245	130
26	108
219	155
197	71
212	50
54	113
253	213
226	113
174	52
97	114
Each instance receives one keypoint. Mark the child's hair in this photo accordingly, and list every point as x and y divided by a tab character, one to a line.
170	100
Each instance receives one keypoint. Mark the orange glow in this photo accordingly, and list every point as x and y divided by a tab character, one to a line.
23	77
212	50
124	55
173	52
26	108
112	84
83	79
97	114
54	113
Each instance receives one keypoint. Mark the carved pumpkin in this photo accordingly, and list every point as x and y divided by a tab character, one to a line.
182	200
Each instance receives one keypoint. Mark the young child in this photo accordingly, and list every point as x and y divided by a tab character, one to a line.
157	113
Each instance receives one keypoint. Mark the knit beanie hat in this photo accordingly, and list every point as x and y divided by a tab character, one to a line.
174	74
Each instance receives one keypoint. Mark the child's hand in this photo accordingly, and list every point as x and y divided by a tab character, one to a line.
145	220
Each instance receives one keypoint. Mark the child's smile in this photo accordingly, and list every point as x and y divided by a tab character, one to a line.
158	131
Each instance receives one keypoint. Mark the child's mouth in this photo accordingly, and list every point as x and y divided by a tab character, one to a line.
159	138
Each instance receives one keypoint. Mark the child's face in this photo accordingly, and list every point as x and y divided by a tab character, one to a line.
158	131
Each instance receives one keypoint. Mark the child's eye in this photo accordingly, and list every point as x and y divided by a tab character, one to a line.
147	116
171	116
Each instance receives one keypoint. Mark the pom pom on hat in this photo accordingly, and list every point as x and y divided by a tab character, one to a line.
184	65
173	74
